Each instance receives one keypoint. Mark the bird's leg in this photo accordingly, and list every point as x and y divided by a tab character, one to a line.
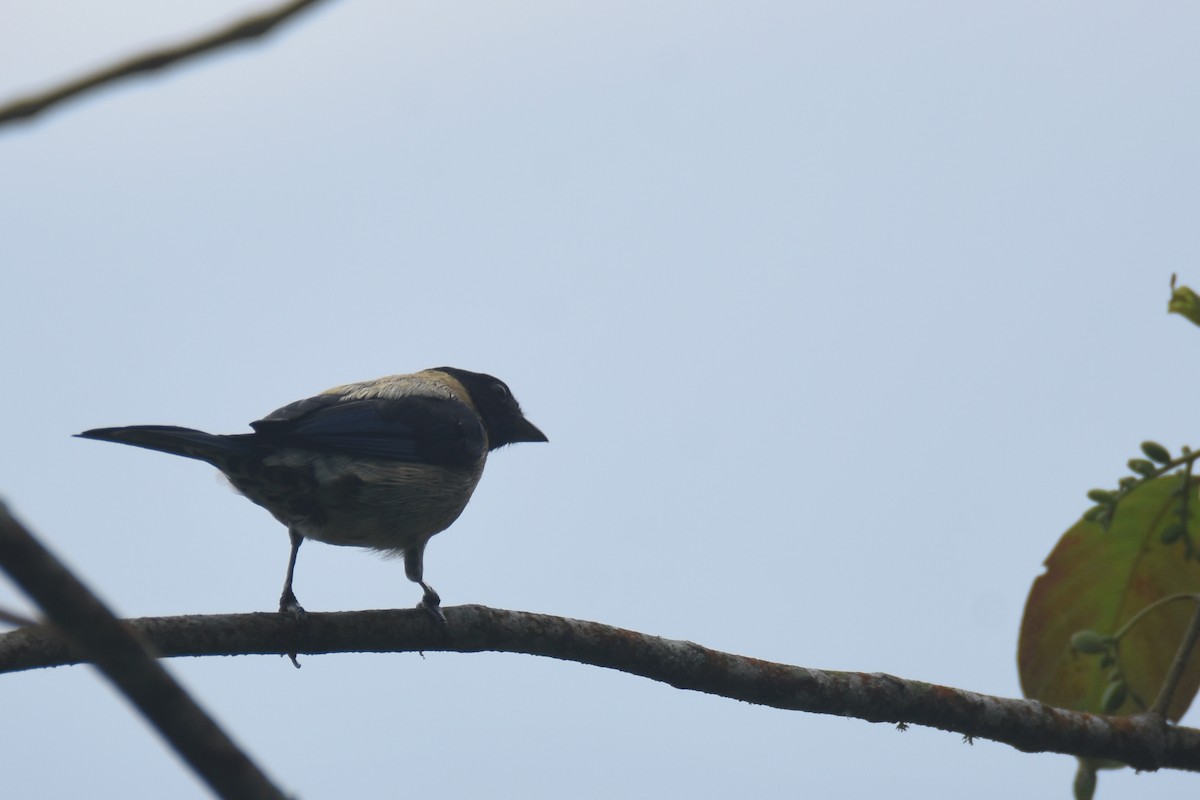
288	604
414	568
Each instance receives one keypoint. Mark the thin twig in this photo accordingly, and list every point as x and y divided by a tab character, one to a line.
1157	604
251	27
95	635
1175	673
13	618
1141	741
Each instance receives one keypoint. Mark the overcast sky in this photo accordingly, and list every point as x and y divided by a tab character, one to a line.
832	312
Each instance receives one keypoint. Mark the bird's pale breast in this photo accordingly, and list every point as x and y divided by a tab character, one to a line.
343	500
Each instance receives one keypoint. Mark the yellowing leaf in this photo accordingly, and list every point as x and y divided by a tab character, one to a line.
1097	580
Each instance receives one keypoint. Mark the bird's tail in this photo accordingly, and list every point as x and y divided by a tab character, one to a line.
186	442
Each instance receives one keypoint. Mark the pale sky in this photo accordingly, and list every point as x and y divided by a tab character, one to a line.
833	312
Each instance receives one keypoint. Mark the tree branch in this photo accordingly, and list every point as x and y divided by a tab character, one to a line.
252	27
96	635
1144	741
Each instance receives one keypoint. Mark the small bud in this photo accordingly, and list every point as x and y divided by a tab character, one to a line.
1156	452
1128	482
1094	514
1172	533
1089	642
1142	467
1113	697
1102	496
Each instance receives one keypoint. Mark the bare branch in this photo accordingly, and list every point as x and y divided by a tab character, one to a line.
13	618
96	635
1144	742
252	27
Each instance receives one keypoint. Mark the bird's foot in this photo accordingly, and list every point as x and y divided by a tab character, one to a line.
288	604
431	603
291	609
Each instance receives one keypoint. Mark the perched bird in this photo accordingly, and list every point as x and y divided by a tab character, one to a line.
383	464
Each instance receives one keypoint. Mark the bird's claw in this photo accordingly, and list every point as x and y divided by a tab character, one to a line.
431	604
288	604
291	609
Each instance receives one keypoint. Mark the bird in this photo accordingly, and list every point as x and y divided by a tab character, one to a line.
382	464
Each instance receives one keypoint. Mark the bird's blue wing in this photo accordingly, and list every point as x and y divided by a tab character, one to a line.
420	430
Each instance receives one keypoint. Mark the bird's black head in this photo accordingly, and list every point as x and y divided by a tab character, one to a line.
497	407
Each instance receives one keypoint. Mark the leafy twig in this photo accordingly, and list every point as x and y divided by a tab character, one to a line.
1107	500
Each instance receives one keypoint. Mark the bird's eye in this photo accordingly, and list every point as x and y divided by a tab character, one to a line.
501	391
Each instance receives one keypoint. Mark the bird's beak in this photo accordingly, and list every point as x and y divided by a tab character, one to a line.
526	431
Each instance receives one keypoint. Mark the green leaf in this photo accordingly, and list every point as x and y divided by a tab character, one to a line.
1184	301
1096	581
1141	466
1156	452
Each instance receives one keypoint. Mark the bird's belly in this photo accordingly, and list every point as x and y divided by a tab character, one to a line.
383	505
